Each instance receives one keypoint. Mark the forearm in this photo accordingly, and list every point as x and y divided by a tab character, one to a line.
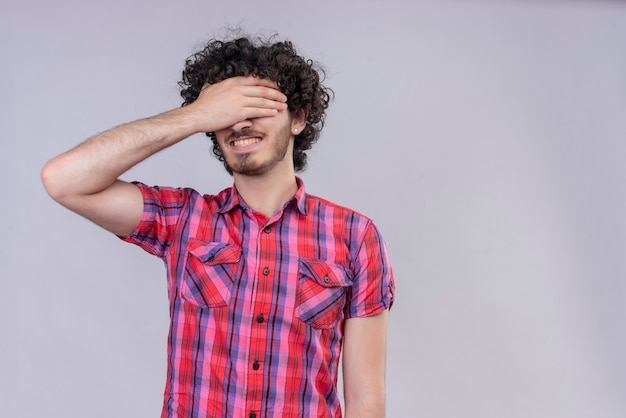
370	406
95	164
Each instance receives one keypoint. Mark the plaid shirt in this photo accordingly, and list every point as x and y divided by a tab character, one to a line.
257	306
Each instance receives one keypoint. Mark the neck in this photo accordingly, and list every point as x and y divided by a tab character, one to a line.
267	193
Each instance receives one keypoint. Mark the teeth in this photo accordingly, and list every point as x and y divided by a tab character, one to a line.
244	142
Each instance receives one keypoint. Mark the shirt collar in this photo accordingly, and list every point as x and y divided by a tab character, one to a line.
300	196
233	199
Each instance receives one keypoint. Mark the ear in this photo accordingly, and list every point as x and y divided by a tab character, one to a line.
298	121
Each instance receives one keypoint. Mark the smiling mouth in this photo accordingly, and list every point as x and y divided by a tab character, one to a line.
244	142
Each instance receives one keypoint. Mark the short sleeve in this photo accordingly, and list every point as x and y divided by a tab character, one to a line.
373	284
162	207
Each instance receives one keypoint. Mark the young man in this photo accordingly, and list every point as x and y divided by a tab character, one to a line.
265	282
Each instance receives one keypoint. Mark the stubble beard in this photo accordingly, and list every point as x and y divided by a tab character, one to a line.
246	165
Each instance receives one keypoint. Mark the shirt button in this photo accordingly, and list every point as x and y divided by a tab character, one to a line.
266	271
256	365
252	415
260	319
326	279
267	229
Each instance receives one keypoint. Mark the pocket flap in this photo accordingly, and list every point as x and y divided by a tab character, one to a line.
210	272
325	273
212	253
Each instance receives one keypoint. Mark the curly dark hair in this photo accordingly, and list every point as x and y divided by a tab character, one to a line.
299	79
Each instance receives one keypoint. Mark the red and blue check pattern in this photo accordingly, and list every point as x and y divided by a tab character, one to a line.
257	306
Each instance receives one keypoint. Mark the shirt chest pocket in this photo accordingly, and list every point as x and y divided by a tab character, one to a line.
321	292
210	272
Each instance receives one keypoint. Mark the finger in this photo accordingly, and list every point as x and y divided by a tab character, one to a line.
261	103
257	81
270	93
260	83
257	112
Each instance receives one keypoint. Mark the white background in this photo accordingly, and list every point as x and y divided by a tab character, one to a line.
486	139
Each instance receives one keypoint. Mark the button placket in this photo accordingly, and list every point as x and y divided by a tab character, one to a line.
265	263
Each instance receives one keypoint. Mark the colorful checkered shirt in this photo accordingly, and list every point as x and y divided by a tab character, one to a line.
257	306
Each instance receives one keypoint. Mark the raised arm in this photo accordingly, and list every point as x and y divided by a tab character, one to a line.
364	357
85	179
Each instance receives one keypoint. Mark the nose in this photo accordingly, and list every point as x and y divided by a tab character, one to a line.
240	126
